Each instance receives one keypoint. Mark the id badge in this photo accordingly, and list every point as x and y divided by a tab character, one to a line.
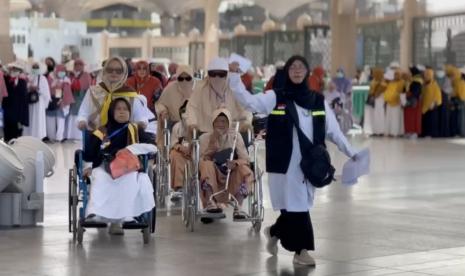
58	93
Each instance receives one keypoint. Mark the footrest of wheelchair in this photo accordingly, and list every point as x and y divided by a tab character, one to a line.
212	215
93	224
246	219
135	225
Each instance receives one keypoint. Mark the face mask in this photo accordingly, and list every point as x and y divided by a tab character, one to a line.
35	72
340	75
61	75
440	74
14	74
50	68
186	85
218	84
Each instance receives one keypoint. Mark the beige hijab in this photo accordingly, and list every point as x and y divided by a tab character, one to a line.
175	94
122	81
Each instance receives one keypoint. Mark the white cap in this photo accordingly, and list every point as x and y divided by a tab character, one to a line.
394	64
18	64
389	75
218	64
421	67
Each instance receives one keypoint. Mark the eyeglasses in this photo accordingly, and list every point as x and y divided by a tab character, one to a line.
142	69
297	68
35	67
110	70
219	74
189	78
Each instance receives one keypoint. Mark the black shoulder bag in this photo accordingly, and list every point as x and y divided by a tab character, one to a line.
33	96
316	162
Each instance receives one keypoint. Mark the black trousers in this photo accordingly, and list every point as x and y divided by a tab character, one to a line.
430	123
294	230
11	130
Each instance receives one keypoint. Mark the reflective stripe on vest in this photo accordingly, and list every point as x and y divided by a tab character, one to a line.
319	113
278	112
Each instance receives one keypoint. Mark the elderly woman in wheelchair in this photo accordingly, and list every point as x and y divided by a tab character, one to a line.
120	192
221	177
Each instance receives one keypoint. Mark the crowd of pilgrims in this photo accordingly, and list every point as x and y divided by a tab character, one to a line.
126	104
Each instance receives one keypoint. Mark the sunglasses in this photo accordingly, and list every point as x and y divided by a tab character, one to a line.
35	67
189	78
118	71
219	74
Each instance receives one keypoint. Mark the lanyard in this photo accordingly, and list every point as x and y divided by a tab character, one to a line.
116	132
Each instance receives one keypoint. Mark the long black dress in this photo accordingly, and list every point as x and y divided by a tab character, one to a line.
15	108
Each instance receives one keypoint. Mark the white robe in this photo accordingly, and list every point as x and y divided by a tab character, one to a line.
37	118
127	196
368	115
379	116
394	120
290	191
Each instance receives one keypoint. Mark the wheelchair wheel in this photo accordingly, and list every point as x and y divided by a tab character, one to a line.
73	202
80	234
192	205
191	219
161	185
153	221
185	199
147	231
70	201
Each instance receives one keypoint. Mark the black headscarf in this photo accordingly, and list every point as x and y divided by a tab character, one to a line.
50	68
297	92
120	140
414	71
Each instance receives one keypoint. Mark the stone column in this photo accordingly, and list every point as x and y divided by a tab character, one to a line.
6	47
212	21
410	10
344	36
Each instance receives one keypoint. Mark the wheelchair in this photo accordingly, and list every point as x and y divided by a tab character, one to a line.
191	210
78	199
162	168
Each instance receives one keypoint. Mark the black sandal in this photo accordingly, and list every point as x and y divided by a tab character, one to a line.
238	215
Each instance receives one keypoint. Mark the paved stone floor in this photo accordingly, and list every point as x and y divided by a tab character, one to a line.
407	218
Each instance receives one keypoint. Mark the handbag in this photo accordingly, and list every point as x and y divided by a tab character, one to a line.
123	163
33	96
316	162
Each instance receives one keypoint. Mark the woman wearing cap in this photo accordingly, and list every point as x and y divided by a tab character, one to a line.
58	109
212	93
430	102
374	111
94	107
213	166
394	115
80	83
15	106
37	116
291	193
145	84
